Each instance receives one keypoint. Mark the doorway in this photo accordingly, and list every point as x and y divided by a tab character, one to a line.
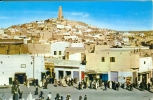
68	73
43	74
20	77
60	73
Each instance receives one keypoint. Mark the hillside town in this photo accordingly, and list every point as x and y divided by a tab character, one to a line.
58	48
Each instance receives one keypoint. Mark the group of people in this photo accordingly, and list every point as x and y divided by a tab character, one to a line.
106	84
144	86
16	90
67	81
64	81
17	94
68	97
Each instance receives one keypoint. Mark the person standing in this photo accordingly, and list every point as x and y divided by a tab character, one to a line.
15	96
110	84
20	95
62	97
29	96
57	96
96	86
80	97
41	94
12	89
105	84
49	95
85	97
148	86
68	97
11	98
40	83
47	98
27	83
36	92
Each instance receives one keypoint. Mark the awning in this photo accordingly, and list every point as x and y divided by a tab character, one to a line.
44	70
145	72
96	72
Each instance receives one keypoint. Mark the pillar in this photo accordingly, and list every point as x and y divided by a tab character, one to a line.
72	74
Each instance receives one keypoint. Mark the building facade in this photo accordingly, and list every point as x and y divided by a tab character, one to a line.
111	65
21	66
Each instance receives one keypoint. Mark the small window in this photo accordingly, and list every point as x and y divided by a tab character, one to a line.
60	53
144	62
112	59
55	53
102	59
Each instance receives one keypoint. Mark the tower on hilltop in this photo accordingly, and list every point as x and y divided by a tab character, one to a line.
60	16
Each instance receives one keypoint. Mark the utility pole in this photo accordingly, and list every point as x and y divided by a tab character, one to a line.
33	58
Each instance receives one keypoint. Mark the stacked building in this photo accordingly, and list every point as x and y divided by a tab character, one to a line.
63	48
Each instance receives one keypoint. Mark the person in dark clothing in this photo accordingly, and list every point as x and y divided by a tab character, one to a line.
85	85
105	84
47	98
148	86
85	97
20	95
15	96
57	96
80	97
36	92
113	85
79	86
41	94
116	85
72	81
90	84
62	98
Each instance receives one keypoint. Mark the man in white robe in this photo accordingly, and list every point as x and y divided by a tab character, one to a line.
29	96
11	98
50	96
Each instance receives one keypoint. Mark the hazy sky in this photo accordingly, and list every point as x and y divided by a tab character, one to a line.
119	15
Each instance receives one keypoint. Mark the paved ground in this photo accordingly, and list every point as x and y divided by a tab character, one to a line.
92	94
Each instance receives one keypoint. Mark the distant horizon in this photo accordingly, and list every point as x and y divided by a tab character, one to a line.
119	16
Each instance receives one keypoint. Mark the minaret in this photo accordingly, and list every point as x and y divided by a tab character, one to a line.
60	13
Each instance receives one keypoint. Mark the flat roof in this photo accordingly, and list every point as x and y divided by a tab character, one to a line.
11	41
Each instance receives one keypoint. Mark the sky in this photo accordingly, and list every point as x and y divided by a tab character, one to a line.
116	15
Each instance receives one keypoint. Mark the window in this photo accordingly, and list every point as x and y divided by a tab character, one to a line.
112	59
23	65
102	59
55	53
60	53
144	62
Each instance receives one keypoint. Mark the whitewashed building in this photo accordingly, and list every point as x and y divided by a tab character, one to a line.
58	49
21	66
69	68
145	69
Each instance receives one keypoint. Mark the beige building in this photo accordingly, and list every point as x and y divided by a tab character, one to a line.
39	49
13	46
111	64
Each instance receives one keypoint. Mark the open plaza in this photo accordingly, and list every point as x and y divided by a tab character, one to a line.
92	94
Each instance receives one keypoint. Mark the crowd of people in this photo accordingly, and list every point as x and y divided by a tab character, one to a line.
17	92
95	84
67	81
